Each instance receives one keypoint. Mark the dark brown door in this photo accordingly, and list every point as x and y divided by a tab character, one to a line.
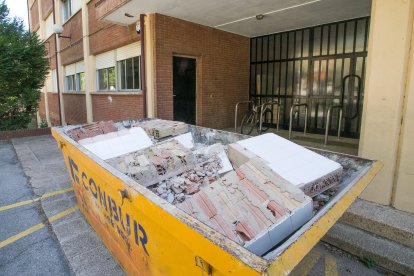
184	89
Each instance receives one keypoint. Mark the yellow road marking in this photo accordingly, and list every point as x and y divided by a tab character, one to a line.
18	204
330	266
308	263
37	227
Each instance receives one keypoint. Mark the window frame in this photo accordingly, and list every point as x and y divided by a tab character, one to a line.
106	70
75	80
66	9
119	74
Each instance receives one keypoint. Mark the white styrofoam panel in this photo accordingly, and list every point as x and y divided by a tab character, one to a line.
115	144
105	60
294	163
186	140
128	51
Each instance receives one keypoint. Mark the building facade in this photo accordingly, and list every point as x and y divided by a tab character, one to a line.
193	61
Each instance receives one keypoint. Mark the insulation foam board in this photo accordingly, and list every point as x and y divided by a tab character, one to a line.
115	144
311	172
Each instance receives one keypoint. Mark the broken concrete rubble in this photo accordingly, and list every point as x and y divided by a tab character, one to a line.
243	190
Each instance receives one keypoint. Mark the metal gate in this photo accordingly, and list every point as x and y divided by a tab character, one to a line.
320	66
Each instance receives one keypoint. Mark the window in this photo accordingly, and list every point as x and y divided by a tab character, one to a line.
66	9
75	82
106	79
128	71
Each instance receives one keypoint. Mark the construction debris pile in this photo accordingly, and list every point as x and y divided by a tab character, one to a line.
256	191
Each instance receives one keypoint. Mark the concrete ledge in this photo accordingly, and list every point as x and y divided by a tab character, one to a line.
10	134
381	220
385	253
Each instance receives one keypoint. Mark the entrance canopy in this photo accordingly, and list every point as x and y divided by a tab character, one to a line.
249	17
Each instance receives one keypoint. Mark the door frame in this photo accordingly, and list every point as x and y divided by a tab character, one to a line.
198	96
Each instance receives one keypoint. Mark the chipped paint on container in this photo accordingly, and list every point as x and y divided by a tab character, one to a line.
150	236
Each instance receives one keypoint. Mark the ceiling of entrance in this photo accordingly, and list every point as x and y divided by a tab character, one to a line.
239	16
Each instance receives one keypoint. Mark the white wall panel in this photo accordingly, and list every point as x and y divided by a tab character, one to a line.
49	26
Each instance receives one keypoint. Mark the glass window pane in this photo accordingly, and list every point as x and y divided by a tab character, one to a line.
291	46
331	67
305	43
322	83
289	81
252	79
259	49
360	36
270	79
111	78
264	79
277	47
316	74
283	78
272	47
332	39
136	73
258	79
338	77
317	41
304	78
349	44
253	50
298	50
284	45
325	37
82	81
264	49
340	42
102	79
296	78
276	87
129	74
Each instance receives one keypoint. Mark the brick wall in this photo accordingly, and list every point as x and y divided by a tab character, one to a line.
53	102
104	36
103	7
51	49
47	6
6	135
72	49
34	17
222	68
117	107
42	104
75	108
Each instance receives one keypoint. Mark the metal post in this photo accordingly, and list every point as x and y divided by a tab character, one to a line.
235	113
291	119
328	122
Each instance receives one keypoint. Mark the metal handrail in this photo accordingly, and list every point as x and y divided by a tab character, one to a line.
235	113
291	118
328	122
262	109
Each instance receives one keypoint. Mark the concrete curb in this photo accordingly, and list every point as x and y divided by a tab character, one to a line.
381	220
385	253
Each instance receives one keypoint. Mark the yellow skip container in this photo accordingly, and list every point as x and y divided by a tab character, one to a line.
149	236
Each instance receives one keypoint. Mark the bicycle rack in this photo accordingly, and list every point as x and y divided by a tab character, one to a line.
328	122
235	113
262	108
291	118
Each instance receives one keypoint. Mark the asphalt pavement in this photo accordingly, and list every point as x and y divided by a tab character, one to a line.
38	253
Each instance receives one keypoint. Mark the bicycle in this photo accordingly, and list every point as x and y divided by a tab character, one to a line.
259	116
